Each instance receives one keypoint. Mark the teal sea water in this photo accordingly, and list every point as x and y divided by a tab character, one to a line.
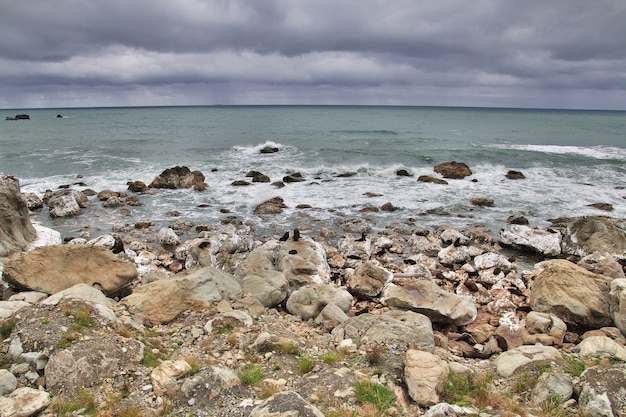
570	159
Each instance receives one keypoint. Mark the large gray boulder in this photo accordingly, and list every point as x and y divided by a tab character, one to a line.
66	202
368	280
425	375
51	269
586	235
161	301
509	362
403	328
303	262
429	299
16	230
602	391
268	286
522	237
308	302
573	294
617	297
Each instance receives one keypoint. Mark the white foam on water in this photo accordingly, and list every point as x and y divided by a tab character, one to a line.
597	152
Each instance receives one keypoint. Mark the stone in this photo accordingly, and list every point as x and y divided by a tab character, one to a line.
260	258
551	385
218	379
233	318
522	237
546	324
352	248
453	170
161	301
507	363
285	404
602	391
453	254
602	206
268	286
404	328
274	205
24	402
88	363
482	202
573	294
16	230
179	177
450	410
167	237
427	298
66	202
368	280
81	292
269	149
8	308
8	382
586	235
51	269
303	262
517	219
617	303
167	371
431	179
137	186
402	172
596	346
357	225
425	375
603	264
307	302
515	175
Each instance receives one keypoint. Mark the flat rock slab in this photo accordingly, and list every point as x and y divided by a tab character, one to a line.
51	269
510	361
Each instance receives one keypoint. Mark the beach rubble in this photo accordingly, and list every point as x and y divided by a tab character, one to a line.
215	320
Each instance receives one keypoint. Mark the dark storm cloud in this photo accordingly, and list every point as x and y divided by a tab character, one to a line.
486	52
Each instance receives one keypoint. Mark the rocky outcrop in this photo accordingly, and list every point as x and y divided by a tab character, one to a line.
51	269
303	262
16	230
309	301
453	170
369	280
587	235
571	293
431	179
272	206
179	177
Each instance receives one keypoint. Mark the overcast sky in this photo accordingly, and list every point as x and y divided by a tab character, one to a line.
511	53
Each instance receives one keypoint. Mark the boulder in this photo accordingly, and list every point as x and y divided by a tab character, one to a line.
260	258
603	264
16	230
368	280
88	363
598	346
431	179
285	404
161	301
65	202
553	385
303	262
51	269
522	237
24	402
482	202
586	235
268	286
602	391
7	308
179	177
274	205
352	248
617	306
507	363
308	301
269	149
573	294
429	299
33	201
545	324
137	186
8	382
166	372
453	170
403	328
425	375
515	175
167	237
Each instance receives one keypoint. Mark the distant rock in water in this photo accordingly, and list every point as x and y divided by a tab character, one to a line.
482	202
428	178
19	117
517	219
180	177
601	206
269	149
453	170
403	173
515	175
272	206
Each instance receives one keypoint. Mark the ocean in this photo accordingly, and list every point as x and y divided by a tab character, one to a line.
346	154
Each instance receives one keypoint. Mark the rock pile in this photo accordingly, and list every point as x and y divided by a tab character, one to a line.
222	322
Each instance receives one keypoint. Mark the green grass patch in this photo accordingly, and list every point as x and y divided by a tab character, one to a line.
367	392
150	359
306	364
83	319
225	329
85	402
250	374
6	327
465	390
574	367
68	339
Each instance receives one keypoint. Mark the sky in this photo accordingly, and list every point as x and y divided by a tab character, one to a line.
484	53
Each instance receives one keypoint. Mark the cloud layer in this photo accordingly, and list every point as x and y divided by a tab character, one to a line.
562	53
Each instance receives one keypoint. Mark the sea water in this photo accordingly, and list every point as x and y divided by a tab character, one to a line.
570	159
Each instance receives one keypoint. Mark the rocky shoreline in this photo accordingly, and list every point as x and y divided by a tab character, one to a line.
214	320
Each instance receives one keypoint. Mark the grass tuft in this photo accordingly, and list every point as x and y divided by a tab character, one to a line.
250	374
367	392
6	328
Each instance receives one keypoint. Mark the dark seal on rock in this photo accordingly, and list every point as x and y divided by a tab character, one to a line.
453	170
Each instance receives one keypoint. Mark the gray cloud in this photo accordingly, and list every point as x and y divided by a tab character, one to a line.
562	53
